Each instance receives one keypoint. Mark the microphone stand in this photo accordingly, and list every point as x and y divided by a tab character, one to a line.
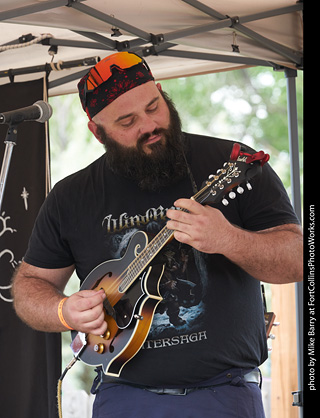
10	141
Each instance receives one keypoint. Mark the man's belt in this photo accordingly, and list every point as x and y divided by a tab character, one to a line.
252	377
230	377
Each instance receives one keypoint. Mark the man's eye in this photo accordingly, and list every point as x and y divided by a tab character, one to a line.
127	123
152	108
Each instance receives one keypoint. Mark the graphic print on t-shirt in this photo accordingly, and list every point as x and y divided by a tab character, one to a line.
184	281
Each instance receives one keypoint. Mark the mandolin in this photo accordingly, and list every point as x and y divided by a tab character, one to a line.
131	283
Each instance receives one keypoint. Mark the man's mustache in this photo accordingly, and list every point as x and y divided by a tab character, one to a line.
143	138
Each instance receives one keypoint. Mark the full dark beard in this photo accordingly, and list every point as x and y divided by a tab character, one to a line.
164	166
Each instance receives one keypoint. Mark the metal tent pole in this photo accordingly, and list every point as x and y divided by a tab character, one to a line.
296	199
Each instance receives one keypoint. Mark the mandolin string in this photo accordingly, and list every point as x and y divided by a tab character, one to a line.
149	252
146	255
131	272
129	275
133	269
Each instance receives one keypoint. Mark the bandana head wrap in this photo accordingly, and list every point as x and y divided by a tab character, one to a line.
111	77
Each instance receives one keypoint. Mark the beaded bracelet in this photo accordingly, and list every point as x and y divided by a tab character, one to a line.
62	320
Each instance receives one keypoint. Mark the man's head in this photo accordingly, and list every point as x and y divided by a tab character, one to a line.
137	123
110	78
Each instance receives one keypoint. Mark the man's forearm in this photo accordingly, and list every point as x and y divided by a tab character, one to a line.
273	256
38	292
36	303
36	299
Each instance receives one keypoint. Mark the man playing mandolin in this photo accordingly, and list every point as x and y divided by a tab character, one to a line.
170	301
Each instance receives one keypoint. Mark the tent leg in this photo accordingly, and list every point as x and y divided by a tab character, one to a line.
296	199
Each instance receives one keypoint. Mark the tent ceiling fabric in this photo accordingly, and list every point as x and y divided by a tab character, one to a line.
177	37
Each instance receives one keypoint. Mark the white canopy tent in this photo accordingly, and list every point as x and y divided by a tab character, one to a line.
176	37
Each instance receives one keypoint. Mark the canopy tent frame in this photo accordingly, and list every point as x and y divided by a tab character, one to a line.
235	23
296	201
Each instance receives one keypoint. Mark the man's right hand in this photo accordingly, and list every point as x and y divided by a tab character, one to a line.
37	293
83	311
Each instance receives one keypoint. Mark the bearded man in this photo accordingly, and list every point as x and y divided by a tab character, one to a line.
206	337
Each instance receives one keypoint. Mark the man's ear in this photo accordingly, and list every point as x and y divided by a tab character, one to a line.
93	127
159	86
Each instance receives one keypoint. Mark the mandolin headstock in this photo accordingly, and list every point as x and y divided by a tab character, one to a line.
240	168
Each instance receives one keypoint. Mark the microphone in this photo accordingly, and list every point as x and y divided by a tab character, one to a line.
40	111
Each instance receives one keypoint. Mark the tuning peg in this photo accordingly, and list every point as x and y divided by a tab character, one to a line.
240	189
212	177
276	324
221	170
249	187
272	336
232	195
225	202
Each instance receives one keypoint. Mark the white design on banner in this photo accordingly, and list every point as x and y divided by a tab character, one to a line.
5	228
25	196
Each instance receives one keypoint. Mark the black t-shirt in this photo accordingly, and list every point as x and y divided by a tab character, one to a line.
211	316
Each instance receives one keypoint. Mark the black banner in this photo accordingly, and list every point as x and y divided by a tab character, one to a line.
30	360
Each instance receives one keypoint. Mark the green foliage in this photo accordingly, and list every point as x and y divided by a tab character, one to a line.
72	145
247	105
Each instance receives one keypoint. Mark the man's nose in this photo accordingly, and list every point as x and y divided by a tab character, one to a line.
147	125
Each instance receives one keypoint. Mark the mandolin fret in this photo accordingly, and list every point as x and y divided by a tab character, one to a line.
144	258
